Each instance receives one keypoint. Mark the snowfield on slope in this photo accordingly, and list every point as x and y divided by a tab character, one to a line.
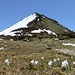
44	30
21	24
68	44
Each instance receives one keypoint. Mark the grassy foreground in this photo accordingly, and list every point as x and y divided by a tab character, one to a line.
21	53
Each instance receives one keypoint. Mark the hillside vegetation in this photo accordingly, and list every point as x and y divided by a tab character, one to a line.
21	55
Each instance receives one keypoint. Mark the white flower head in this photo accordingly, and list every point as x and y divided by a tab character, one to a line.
5	45
64	63
50	63
42	58
1	48
32	61
55	60
7	61
36	62
73	63
71	57
58	59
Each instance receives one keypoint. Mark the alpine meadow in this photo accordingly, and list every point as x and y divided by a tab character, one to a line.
37	45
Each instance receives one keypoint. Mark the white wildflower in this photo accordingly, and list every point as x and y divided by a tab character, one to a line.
65	63
7	61
36	62
50	63
32	61
1	48
73	63
5	45
42	58
71	57
55	60
58	59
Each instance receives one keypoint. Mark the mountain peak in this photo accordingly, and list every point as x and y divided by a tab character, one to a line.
36	13
34	22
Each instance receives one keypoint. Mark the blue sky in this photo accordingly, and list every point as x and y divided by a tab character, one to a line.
12	11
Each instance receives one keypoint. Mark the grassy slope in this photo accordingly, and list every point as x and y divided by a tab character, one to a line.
21	53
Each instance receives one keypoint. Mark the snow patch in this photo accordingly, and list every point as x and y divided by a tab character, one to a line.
37	31
43	16
21	24
38	19
68	44
44	30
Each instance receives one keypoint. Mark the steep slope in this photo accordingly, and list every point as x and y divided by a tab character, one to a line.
43	22
34	22
21	24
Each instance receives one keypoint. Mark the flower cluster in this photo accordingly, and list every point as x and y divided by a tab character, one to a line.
34	62
64	63
56	62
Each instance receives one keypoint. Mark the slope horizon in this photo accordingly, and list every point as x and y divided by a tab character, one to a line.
35	13
36	21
